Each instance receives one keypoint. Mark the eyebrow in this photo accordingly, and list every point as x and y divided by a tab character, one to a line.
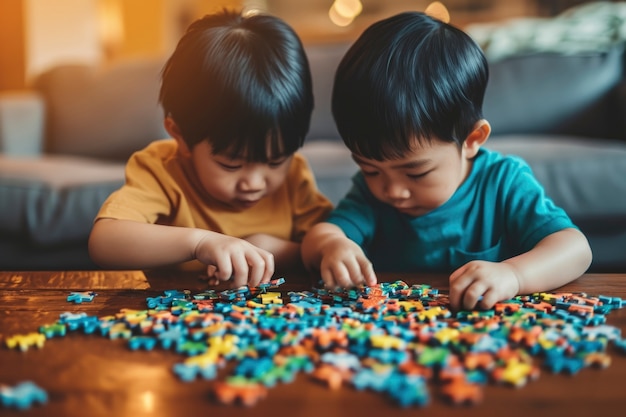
407	165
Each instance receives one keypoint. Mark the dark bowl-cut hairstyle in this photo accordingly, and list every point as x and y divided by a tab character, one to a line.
408	77
243	83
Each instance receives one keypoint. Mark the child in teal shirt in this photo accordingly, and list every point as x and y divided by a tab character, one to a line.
407	101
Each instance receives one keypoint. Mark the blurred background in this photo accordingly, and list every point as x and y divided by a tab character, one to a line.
38	34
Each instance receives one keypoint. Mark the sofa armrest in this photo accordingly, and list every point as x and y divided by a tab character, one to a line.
22	118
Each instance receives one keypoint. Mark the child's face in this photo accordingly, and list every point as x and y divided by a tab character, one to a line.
422	180
235	182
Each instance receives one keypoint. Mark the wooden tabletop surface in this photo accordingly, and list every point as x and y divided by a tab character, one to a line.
87	375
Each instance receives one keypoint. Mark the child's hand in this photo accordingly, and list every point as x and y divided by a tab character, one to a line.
481	284
228	257
345	265
286	253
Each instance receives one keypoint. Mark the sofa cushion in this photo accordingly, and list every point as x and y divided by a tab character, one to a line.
556	94
102	113
53	199
582	175
324	60
332	163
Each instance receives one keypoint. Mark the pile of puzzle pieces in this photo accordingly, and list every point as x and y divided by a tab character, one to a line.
402	341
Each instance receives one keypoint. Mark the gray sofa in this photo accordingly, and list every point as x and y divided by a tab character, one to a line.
63	145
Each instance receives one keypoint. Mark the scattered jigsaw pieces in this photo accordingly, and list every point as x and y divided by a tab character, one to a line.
392	338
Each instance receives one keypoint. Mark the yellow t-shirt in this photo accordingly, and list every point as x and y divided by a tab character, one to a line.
161	188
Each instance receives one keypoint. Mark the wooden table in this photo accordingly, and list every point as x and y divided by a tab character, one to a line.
87	375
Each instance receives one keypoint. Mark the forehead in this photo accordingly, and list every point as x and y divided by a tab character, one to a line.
421	153
252	150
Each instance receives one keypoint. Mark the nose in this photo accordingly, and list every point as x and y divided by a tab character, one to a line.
396	191
252	181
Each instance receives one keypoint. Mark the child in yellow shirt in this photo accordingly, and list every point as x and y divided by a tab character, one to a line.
228	193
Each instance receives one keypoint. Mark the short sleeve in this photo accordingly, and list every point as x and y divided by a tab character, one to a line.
356	214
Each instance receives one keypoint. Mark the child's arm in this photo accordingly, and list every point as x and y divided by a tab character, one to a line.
133	245
340	261
556	260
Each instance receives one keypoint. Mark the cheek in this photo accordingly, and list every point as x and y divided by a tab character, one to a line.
437	191
376	186
277	177
214	181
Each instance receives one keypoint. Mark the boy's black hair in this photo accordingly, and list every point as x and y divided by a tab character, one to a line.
408	77
242	83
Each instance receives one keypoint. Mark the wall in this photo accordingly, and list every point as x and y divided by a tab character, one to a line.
12	59
38	34
60	31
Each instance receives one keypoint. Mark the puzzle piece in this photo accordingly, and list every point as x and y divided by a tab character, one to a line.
142	342
81	297
239	389
460	392
25	341
190	371
22	396
52	330
408	390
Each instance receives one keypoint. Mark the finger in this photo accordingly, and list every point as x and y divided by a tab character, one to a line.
210	271
473	294
328	278
210	275
458	284
488	300
355	272
368	272
268	271
335	276
256	271
457	274
213	282
342	276
223	268
354	275
241	270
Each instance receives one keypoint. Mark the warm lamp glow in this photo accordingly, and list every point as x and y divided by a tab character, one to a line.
437	10
348	8
338	19
254	7
147	401
343	12
111	26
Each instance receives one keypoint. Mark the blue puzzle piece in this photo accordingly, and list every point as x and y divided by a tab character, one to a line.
81	297
23	395
142	342
189	372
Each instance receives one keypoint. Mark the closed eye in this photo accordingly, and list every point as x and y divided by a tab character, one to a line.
369	173
277	163
416	176
230	167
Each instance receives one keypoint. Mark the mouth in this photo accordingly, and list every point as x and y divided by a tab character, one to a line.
406	210
413	211
246	203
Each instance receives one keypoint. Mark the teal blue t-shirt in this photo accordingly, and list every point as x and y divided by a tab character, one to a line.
499	211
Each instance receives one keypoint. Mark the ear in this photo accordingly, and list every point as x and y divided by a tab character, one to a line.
172	128
477	138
